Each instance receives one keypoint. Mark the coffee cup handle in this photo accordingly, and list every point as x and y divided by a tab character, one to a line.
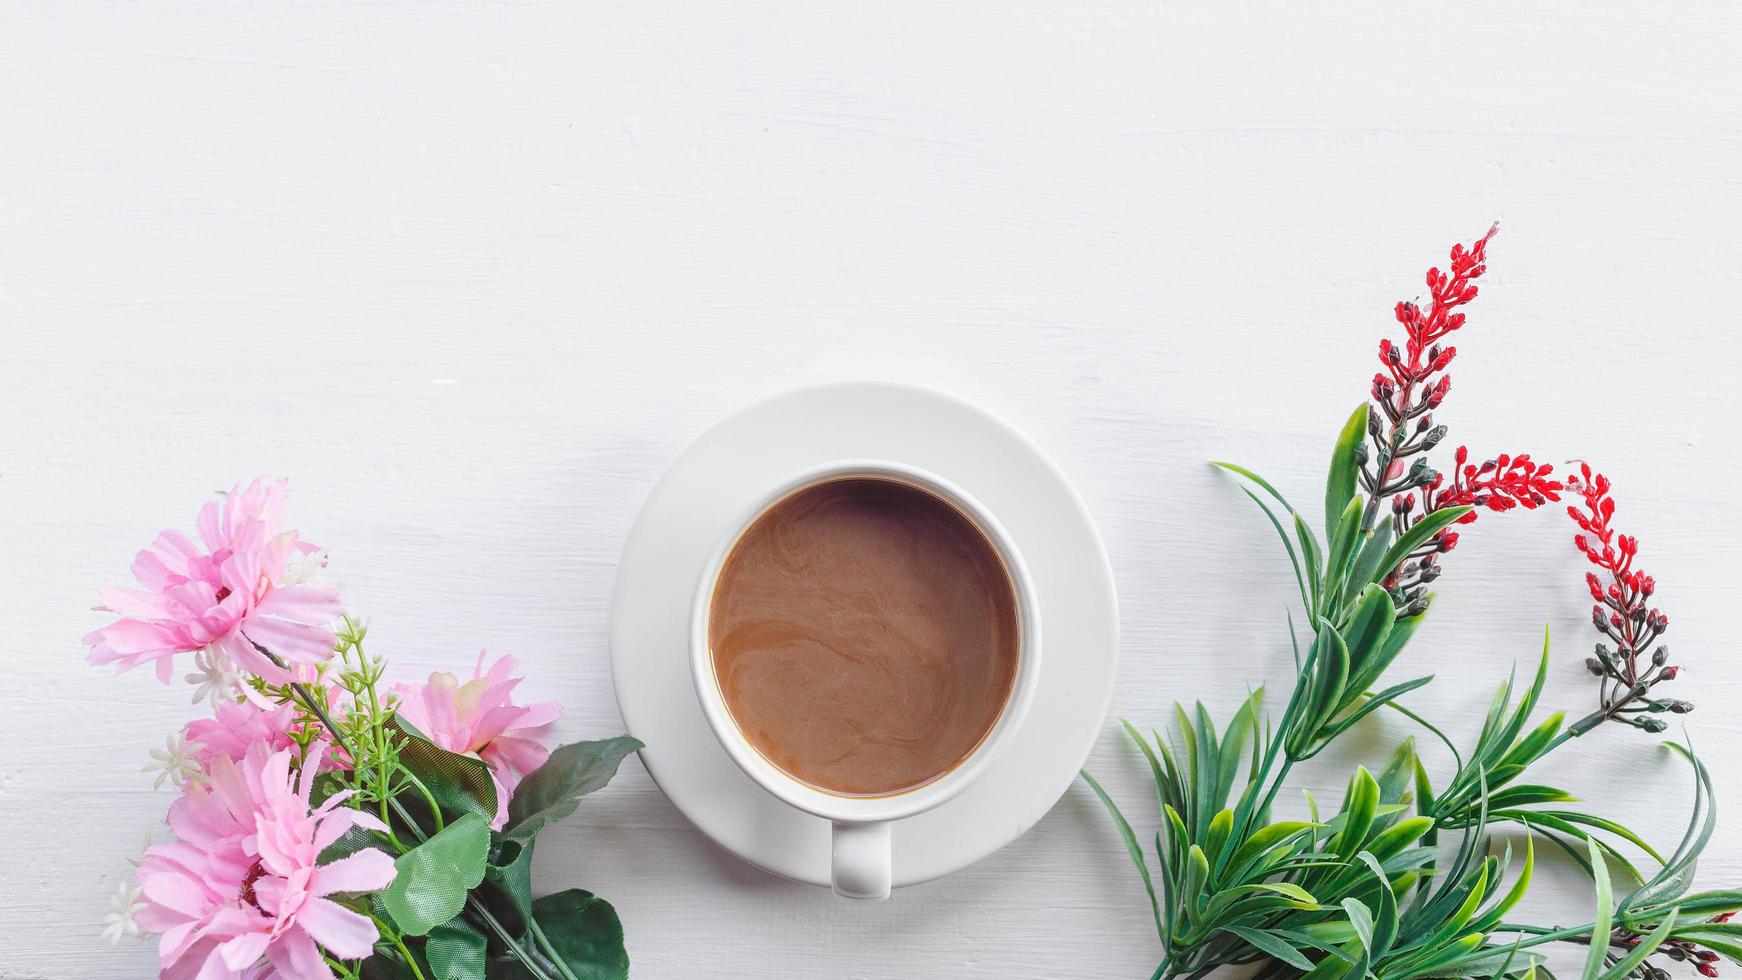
863	864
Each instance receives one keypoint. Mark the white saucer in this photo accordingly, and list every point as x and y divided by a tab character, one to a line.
709	486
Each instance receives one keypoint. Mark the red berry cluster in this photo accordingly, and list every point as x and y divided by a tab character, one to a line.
1622	613
1406	393
1498	484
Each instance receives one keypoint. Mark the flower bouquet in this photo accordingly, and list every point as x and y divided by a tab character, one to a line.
330	825
1402	880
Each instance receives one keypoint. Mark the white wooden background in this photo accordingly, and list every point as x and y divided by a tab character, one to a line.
474	273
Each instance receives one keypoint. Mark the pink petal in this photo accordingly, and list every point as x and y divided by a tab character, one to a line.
334	824
312	604
241	573
292	642
271	510
348	935
134	603
177	893
130	637
241	952
540	715
210	528
174	942
411	706
311	767
249	536
242	652
364	871
164	561
503	792
192	963
515	756
295	955
499	671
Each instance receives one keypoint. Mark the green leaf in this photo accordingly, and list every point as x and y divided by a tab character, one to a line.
1309	551
1519	887
1241	727
1217	837
460	784
1272	945
455	951
432	879
1527	795
1486	961
1282	834
507	887
582	930
1162	783
1255	478
1131	847
1360	806
1365	635
1340	481
1676	875
1394	839
1596	961
1197	875
1341	555
1327	670
551	792
1290	891
1376	701
1293	560
1361	918
1387	922
1373	546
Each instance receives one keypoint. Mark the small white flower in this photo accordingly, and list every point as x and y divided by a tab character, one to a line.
215	678
171	763
123	908
310	570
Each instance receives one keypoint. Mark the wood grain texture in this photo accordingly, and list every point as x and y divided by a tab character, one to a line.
474	273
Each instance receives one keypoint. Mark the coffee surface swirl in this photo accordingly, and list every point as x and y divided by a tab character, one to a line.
864	636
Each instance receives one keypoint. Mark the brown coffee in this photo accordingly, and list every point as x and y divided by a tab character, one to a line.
864	636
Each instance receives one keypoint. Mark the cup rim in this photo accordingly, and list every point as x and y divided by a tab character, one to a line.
861	809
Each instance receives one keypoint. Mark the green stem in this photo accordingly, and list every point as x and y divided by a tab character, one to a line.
428	797
1540	935
549	950
1599	716
410	960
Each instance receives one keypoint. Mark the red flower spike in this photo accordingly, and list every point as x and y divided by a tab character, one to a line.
1409	388
1499	484
1620	593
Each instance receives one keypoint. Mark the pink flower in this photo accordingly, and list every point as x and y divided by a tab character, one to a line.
480	719
236	727
223	593
241	881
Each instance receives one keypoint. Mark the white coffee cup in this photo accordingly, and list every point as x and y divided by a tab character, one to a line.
862	863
